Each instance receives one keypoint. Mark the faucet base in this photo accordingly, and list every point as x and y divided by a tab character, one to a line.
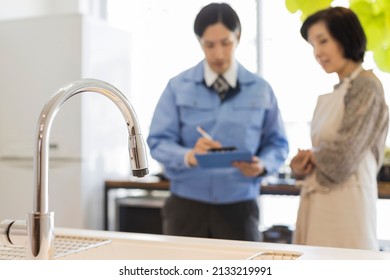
41	235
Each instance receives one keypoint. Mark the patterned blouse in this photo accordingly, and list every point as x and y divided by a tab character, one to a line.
364	126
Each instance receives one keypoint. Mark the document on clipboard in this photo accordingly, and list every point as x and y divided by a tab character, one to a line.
220	159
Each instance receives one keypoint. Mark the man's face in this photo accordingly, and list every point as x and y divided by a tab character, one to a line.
219	44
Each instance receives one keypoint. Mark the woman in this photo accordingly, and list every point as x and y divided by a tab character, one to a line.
349	127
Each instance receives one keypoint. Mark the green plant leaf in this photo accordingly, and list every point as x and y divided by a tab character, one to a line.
363	9
382	59
384	4
306	7
311	7
292	6
375	32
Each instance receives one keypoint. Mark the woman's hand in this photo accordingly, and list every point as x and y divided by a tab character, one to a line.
251	169
302	164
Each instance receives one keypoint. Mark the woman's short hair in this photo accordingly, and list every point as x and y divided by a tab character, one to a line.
344	26
217	13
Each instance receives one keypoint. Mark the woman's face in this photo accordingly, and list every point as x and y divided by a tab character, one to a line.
218	44
328	52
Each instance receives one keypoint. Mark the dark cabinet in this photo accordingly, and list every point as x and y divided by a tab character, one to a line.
140	214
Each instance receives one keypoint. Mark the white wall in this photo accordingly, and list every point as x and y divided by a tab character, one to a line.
12	9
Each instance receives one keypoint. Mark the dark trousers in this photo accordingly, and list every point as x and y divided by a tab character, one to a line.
184	217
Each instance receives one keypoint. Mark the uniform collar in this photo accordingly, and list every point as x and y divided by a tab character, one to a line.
230	75
197	74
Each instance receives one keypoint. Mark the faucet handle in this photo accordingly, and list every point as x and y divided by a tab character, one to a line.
13	233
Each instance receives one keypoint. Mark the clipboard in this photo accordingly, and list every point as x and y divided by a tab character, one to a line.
222	159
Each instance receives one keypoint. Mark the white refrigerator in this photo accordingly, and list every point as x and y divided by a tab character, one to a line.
88	140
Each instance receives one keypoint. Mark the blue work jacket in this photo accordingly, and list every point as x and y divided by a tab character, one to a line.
249	120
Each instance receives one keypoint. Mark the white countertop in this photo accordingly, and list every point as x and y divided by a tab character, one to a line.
152	246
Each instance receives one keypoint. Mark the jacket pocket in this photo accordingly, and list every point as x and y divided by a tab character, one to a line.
251	110
195	111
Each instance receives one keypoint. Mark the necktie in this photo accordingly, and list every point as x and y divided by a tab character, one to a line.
221	86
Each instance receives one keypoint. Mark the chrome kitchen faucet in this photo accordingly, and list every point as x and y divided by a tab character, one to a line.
40	225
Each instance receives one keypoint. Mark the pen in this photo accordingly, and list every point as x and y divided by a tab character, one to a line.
203	133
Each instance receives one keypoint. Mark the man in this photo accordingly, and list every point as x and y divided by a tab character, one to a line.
236	108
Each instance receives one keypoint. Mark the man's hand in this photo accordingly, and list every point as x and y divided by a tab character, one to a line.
251	169
201	147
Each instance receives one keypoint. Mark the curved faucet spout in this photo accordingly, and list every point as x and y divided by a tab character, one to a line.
40	226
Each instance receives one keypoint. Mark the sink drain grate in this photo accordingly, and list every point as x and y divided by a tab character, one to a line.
276	255
63	245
